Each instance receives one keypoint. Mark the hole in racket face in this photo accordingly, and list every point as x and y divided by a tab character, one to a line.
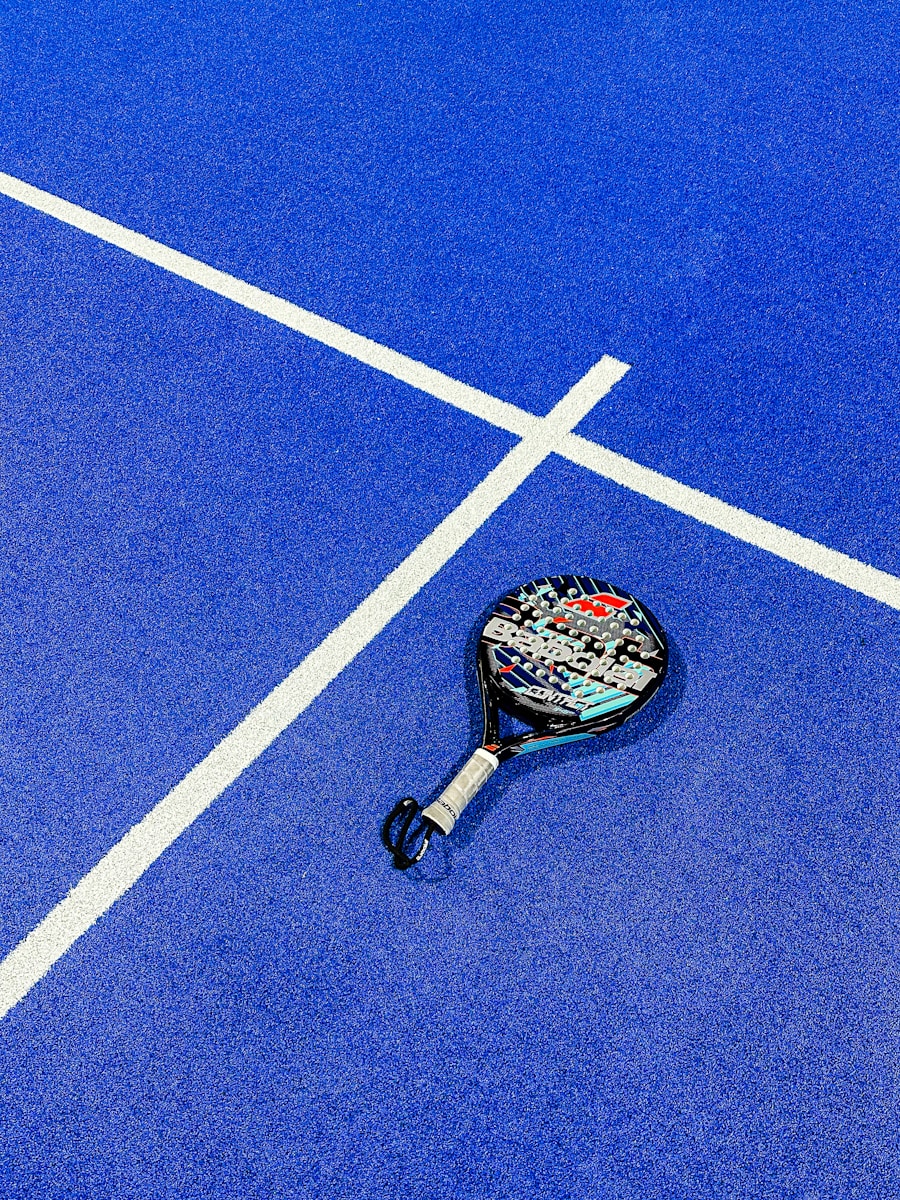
572	651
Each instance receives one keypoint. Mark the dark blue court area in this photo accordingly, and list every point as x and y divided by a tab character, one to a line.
660	965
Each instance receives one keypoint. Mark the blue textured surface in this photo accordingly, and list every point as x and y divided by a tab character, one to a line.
184	481
657	968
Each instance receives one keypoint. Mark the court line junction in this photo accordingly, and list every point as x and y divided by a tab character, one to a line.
540	437
727	518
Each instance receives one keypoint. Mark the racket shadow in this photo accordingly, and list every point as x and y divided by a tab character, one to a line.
437	865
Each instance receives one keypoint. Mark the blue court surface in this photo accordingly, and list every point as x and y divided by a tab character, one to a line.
661	965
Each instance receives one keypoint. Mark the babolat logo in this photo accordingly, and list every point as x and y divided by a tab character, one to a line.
550	648
545	647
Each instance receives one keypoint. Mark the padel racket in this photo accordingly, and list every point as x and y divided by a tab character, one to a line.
569	655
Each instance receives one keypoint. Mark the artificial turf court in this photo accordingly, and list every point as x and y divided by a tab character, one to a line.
315	330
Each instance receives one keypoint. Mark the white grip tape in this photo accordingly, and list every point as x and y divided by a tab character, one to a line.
446	810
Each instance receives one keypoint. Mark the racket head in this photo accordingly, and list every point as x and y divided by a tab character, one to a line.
572	656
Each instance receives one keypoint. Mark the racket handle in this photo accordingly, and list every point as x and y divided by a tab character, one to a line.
445	811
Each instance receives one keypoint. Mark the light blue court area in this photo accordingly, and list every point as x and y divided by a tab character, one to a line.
658	965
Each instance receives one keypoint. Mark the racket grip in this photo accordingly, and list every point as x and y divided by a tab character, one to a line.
446	810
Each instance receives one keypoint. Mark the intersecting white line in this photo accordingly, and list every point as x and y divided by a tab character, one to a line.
127	861
755	531
119	869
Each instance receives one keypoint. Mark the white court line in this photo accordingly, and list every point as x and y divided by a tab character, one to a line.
124	864
120	868
784	543
803	551
329	333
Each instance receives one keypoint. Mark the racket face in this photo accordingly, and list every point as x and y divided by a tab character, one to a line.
573	652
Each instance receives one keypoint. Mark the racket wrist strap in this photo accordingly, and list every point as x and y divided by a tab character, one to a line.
446	810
